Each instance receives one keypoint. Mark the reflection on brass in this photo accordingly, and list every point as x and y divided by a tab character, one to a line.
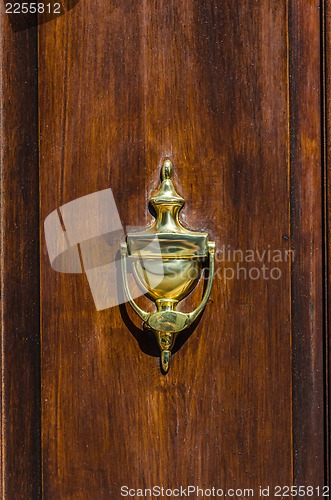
167	262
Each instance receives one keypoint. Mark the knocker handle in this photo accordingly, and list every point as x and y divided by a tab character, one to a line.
191	317
167	322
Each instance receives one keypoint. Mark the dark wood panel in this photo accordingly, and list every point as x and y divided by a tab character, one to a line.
123	84
327	206
307	242
20	353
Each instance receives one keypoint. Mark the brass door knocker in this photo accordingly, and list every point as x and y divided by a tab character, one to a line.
167	262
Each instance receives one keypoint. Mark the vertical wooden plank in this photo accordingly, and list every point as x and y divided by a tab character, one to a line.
20	349
123	84
327	200
307	242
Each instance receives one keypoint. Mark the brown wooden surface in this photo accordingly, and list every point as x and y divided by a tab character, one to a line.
20	353
231	92
121	86
327	199
305	66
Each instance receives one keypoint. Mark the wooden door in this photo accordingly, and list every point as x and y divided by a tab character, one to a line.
232	92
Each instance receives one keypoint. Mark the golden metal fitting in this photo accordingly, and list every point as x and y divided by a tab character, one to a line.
167	262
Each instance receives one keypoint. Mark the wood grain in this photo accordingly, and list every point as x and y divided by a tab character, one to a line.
327	214
306	235
20	352
121	85
230	91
